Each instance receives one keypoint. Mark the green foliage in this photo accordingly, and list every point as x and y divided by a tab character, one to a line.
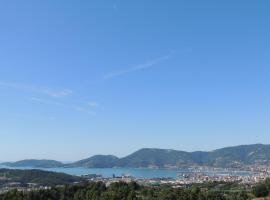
149	157
34	163
260	190
124	191
162	158
98	161
39	177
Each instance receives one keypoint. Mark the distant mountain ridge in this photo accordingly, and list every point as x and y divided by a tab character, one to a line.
36	176
236	156
34	163
98	161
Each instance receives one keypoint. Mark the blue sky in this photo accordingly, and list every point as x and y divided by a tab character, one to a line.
110	77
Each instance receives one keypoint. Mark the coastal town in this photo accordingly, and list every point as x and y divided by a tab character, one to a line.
244	177
255	175
249	177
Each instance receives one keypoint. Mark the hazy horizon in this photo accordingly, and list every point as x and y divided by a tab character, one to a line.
111	77
94	154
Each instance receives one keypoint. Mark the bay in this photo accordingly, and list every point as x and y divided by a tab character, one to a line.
137	172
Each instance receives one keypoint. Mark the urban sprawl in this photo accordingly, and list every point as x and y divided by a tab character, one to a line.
251	175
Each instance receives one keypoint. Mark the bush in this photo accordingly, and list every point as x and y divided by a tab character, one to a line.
260	190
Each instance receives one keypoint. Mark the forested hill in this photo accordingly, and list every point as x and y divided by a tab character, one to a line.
164	158
37	177
34	163
98	161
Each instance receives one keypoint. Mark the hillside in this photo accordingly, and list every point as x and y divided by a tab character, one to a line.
39	177
34	163
155	158
166	158
225	157
98	161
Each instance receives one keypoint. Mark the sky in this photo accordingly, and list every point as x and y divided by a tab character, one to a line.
79	78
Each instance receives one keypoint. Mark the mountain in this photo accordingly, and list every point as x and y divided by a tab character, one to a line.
34	163
98	161
39	177
244	154
236	156
155	158
165	158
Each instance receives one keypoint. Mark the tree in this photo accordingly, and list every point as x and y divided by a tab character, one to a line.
260	190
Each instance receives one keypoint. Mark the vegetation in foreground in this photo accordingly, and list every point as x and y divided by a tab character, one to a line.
124	191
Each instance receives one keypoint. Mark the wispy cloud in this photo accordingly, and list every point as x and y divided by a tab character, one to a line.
37	89
32	117
136	68
49	102
92	104
51	97
84	108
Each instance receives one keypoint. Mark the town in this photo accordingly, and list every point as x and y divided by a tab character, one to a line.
255	175
250	176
